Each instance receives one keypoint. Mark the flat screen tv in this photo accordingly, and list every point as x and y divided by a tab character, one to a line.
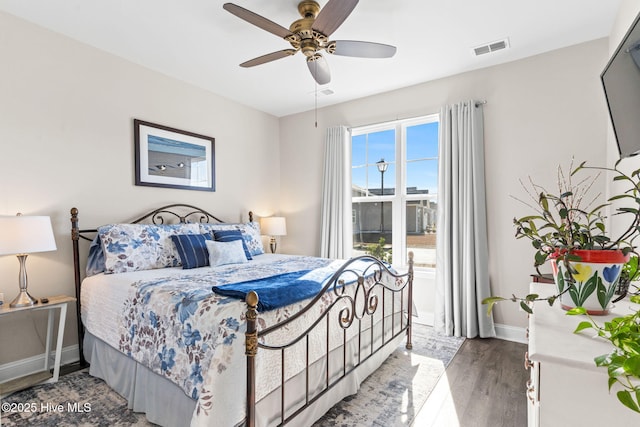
621	82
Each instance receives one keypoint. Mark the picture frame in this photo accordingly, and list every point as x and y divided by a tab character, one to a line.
173	158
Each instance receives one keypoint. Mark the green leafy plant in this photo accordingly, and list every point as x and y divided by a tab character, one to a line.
570	220
631	270
379	251
629	274
573	219
623	362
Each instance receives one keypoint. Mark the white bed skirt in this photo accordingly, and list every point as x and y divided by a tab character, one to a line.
165	404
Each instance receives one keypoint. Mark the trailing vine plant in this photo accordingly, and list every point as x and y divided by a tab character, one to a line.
570	220
564	222
623	362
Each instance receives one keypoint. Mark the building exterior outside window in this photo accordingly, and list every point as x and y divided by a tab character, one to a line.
394	188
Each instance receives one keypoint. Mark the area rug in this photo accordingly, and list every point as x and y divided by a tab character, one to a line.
391	396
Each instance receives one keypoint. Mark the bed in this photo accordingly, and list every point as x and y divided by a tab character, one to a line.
229	335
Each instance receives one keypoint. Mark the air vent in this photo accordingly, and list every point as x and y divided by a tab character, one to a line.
491	47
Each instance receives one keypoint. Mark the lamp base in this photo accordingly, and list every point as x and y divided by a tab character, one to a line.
23	300
273	245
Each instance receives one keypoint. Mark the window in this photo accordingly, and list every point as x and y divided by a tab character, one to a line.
394	183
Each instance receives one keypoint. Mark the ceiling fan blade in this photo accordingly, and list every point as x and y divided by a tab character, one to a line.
257	20
332	15
268	58
361	49
319	69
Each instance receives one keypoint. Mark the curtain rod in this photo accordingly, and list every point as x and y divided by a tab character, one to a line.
397	119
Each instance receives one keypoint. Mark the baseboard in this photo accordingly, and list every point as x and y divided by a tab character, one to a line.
423	317
36	363
511	333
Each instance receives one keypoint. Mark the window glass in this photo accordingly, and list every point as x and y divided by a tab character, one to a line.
372	229
377	178
366	151
421	232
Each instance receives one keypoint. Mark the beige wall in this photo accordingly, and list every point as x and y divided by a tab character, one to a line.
66	115
66	132
540	112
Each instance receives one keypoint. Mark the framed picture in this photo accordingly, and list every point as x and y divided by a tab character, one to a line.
173	158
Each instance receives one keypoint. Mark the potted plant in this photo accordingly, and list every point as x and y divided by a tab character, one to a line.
569	230
566	230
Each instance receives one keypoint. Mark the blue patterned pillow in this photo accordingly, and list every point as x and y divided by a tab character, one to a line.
223	253
250	233
192	249
132	247
230	236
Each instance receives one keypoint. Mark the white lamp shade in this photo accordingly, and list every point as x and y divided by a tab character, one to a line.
273	226
23	234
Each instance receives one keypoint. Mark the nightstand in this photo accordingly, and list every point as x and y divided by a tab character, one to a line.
44	376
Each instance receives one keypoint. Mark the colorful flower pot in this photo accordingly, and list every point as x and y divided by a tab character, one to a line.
596	277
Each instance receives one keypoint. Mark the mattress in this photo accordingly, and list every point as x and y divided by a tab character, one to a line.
106	297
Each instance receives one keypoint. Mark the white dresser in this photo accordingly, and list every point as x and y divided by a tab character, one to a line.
566	388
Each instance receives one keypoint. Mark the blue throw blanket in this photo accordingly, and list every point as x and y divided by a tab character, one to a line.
279	290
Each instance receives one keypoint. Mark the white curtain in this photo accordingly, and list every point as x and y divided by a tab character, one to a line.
462	272
336	227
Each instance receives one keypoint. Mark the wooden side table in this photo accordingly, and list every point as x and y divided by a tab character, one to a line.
44	376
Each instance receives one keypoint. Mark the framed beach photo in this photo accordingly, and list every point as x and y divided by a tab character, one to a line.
173	158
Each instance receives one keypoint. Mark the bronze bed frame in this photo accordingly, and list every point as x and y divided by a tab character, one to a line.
350	313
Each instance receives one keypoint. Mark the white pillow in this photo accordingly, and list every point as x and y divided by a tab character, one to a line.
250	233
222	253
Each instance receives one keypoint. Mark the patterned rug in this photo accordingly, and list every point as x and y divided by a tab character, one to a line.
391	396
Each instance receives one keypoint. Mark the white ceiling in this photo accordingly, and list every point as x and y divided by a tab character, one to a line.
198	42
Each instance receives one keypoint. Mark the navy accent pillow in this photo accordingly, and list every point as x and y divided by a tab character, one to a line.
229	236
95	259
192	249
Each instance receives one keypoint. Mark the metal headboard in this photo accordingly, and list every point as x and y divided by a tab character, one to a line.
169	214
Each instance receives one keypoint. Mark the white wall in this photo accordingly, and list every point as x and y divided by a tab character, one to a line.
629	9
66	132
66	113
540	112
626	14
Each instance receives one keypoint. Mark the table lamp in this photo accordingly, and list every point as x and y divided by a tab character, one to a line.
273	226
21	235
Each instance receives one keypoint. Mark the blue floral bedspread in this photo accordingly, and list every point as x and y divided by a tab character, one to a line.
180	329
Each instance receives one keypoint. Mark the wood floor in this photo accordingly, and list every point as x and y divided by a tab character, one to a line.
484	386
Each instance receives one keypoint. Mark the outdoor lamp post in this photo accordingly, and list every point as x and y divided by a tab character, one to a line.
382	167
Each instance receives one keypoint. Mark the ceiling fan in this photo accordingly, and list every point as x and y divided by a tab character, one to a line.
311	36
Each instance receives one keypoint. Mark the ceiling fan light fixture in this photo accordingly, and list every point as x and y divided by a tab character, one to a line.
314	57
309	47
310	35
